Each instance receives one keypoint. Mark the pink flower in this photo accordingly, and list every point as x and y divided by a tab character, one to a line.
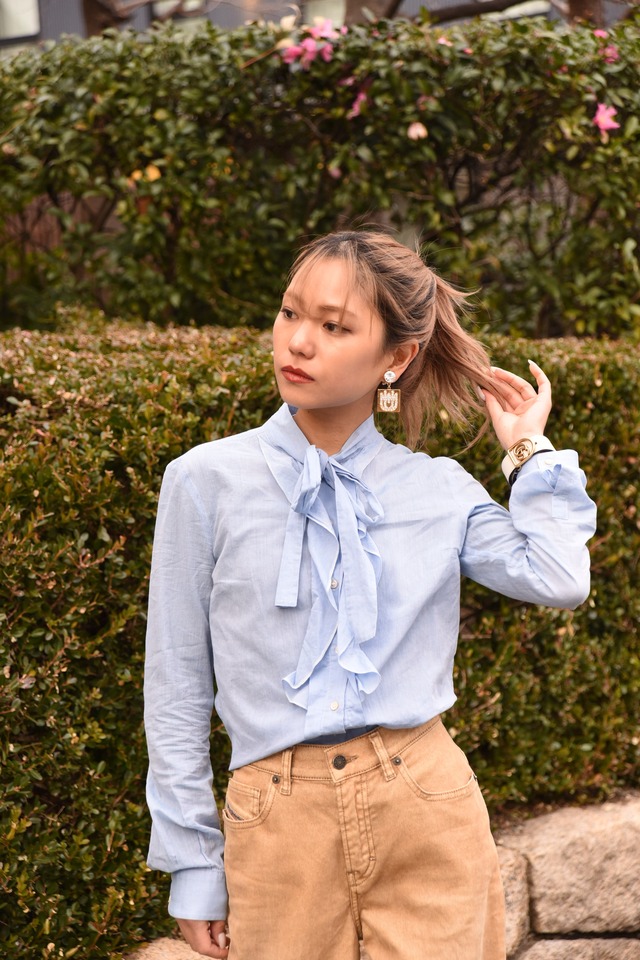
291	54
323	29
347	82
416	131
310	50
610	53
358	103
326	52
600	33
334	172
444	41
604	118
468	51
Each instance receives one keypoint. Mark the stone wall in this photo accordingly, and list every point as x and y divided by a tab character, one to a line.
572	883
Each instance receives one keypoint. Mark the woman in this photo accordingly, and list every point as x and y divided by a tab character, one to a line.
314	569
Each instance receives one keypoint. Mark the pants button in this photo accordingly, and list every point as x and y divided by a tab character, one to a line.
339	762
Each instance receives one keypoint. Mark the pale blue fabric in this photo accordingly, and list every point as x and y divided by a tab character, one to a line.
324	594
353	620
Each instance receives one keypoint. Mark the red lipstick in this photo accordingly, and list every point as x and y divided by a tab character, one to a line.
295	375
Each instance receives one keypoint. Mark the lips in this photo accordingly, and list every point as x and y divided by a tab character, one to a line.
295	375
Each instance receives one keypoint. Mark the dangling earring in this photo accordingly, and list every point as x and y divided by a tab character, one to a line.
388	398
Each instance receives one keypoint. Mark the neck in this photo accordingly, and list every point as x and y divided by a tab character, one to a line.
330	429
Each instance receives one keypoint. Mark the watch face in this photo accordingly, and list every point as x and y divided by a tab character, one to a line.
522	450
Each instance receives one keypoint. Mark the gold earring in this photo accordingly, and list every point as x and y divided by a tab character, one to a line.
388	398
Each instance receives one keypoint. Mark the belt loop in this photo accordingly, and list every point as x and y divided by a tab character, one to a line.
287	757
383	756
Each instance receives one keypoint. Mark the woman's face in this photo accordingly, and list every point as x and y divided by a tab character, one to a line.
328	343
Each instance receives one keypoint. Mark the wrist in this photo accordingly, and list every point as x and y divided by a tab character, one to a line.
522	451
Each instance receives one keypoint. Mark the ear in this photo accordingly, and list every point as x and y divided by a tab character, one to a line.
402	357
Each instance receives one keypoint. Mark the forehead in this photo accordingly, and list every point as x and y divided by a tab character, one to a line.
329	284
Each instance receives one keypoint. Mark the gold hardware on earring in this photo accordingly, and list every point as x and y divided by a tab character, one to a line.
388	400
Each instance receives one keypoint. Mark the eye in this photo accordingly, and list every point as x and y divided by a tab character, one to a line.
287	313
335	328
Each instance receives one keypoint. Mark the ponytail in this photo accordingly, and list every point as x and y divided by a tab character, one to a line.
447	371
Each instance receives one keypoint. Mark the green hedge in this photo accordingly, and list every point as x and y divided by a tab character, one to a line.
178	173
89	418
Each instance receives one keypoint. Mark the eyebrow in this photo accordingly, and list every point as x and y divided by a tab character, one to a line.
324	308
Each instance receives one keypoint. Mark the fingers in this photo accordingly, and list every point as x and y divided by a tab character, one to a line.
493	405
205	938
544	384
219	936
516	390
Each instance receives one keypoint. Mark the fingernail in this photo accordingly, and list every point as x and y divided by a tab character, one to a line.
222	941
481	394
533	362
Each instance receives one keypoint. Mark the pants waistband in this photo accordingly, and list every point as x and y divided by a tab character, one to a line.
381	747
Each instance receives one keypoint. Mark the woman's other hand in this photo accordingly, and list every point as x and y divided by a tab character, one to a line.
206	937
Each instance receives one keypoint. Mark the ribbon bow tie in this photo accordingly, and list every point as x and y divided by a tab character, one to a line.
351	617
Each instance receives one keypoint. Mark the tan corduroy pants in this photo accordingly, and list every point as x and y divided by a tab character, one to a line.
383	839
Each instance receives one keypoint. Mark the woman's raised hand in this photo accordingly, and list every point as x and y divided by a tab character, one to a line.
523	411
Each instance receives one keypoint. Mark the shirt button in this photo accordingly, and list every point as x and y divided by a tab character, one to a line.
339	762
334	705
548	461
334	583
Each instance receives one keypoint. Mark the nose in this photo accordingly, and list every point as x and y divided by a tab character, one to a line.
301	339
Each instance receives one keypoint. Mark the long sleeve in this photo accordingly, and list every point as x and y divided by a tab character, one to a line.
536	551
186	840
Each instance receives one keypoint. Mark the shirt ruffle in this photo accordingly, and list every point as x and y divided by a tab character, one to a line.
351	617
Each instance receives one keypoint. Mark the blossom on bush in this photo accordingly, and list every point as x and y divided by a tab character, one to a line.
610	53
357	105
291	54
444	41
307	51
324	29
416	131
600	33
604	120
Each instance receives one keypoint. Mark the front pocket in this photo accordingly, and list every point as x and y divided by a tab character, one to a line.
242	801
435	768
455	794
247	804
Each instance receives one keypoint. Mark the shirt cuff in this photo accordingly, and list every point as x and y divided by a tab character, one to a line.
199	893
547	460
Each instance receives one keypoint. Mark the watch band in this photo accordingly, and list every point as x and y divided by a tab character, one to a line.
522	451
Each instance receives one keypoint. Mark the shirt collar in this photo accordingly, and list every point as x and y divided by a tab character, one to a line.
283	433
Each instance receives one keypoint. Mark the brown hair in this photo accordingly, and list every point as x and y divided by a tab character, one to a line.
414	303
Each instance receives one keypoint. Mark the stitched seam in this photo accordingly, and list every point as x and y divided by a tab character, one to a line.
364	799
422	794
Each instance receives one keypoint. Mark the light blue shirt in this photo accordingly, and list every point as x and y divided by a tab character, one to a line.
323	593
